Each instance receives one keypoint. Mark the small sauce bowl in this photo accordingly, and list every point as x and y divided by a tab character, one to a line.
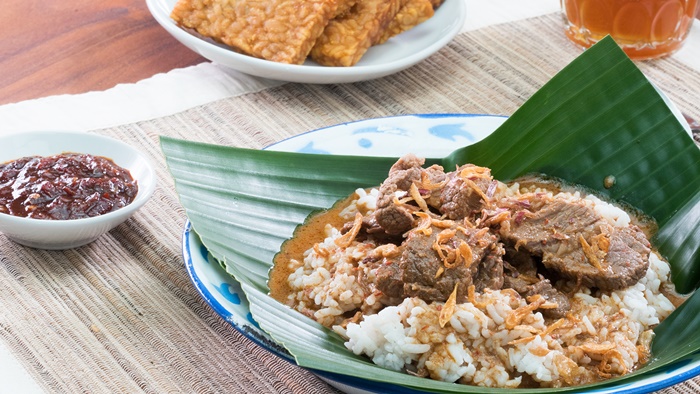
67	234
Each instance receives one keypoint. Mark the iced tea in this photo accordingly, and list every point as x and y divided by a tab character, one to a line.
645	29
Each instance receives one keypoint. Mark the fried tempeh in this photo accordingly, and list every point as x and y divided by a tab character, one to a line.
410	15
278	30
343	7
348	37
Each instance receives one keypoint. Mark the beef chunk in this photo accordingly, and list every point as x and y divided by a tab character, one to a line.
526	288
544	287
420	264
576	242
389	279
398	218
489	273
544	238
371	230
519	283
628	258
432	277
520	274
518	277
404	172
465	192
395	218
520	263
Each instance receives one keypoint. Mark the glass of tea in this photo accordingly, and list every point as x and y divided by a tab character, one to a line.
645	29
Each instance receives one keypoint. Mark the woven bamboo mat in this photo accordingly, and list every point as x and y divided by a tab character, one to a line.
121	315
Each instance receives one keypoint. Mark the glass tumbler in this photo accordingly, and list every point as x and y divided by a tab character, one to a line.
644	29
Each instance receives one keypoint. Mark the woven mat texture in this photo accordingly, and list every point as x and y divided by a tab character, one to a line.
121	316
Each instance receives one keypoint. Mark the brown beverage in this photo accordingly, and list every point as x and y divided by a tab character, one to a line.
645	29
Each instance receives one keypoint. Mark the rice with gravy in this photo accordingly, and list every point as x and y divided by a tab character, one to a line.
495	339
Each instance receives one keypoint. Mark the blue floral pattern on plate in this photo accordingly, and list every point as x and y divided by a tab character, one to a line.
429	135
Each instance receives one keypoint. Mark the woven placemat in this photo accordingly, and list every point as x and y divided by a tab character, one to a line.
121	315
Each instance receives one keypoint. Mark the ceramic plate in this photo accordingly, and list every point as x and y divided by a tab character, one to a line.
398	53
425	135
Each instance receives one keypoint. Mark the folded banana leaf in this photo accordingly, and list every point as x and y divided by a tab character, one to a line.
598	118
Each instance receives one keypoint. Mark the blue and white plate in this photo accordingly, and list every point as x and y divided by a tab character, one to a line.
424	135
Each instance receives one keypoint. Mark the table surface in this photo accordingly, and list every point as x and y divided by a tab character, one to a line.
127	327
82	45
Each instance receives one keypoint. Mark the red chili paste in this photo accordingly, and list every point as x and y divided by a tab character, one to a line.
65	186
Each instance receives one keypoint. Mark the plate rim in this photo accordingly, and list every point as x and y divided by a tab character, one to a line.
389	117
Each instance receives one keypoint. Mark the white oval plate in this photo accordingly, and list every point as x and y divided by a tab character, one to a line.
398	53
424	135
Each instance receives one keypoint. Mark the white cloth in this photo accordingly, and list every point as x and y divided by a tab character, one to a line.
180	89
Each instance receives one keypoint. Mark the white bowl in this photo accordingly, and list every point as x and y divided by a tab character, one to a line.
66	234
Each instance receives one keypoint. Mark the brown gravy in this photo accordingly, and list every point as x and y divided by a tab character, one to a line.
304	238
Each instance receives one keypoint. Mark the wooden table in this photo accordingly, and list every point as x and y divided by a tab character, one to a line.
58	47
75	46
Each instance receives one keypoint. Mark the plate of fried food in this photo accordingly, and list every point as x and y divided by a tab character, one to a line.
312	41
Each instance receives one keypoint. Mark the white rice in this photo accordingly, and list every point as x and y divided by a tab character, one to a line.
363	203
616	216
326	281
476	347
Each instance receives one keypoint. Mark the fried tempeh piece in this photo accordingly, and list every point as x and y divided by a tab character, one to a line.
278	30
411	14
348	37
343	7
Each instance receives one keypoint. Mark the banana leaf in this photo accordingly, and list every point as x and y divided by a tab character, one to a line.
599	117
